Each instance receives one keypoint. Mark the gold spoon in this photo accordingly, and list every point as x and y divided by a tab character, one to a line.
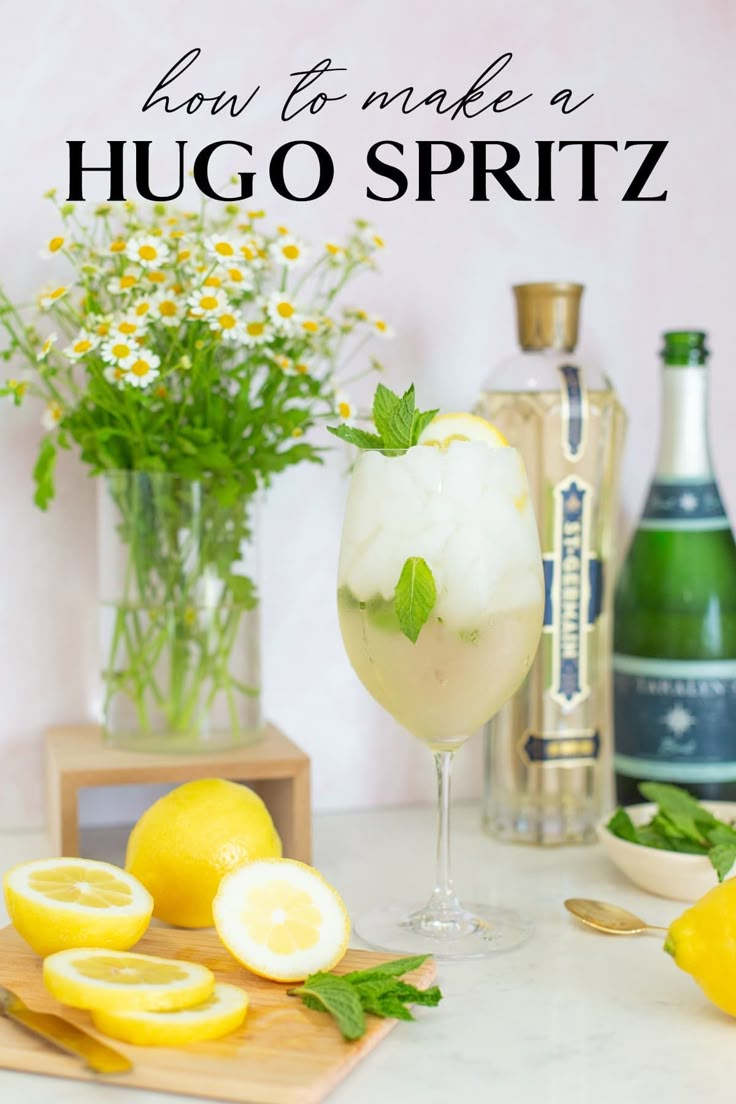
608	918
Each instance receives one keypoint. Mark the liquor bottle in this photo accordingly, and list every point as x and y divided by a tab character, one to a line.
675	606
548	753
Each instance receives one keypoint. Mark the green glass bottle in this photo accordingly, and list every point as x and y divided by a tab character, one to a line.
675	607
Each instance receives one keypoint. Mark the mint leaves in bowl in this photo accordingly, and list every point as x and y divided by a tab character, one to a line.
673	846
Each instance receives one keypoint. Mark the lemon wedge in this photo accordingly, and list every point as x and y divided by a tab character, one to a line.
113	981
220	1014
281	919
446	428
56	904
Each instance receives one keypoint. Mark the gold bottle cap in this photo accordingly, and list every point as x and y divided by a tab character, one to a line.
547	315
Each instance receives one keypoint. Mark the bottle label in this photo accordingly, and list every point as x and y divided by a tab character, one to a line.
688	504
574	412
560	749
674	719
573	591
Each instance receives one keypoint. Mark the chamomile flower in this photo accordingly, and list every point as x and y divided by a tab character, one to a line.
381	328
16	389
287	250
282	311
156	276
122	284
221	248
168	309
237	277
228	326
285	363
256	332
116	374
368	235
119	353
343	407
148	251
118	246
252	252
52	246
127	327
82	344
52	415
310	325
207	302
142	307
143	370
334	250
47	298
47	346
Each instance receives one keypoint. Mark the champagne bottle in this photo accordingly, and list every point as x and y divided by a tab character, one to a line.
675	606
548	773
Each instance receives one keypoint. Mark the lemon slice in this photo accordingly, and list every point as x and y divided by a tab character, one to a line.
60	903
281	919
220	1014
113	981
446	428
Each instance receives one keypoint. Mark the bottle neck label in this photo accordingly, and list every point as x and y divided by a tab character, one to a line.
673	719
686	504
683	445
574	412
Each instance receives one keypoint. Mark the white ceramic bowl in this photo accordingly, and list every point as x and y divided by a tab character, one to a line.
666	873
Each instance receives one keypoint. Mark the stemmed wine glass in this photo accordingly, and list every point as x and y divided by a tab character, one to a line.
445	537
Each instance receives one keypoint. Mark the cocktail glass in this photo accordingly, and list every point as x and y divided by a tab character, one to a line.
465	510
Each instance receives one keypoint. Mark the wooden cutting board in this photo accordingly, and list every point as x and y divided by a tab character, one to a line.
283	1054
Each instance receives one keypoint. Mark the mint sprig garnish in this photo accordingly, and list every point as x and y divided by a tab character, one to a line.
398	423
680	823
377	991
415	596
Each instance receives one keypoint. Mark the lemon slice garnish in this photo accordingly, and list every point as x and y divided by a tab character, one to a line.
446	428
220	1014
60	903
115	981
281	919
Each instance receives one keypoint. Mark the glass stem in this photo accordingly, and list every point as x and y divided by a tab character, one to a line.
443	901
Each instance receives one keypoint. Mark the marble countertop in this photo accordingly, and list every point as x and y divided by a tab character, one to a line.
573	1016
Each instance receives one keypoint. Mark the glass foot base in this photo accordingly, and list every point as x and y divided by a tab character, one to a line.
475	931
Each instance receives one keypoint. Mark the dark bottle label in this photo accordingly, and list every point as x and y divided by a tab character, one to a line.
574	412
673	719
691	504
569	749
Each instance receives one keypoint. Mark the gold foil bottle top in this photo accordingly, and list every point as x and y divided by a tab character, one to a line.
547	315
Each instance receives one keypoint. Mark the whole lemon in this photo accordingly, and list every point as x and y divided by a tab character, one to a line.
189	839
703	943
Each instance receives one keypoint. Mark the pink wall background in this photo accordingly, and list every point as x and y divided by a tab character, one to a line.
663	69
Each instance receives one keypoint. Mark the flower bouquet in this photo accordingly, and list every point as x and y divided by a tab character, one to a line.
190	355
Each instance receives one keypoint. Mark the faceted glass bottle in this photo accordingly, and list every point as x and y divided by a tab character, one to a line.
548	773
675	607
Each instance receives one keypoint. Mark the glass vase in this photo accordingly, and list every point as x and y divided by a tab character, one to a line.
179	623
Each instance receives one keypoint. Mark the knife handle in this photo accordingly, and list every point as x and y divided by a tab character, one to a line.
65	1035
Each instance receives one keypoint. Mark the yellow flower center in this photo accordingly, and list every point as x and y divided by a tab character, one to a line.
167	307
213	281
224	249
344	409
103	329
255	329
176	234
284	309
127	282
247	252
310	326
55	245
235	275
140	368
127	328
157	277
57	293
82	346
142	308
380	325
302	369
208	302
119	351
378	241
184	254
227	321
283	229
117	246
291	252
147	253
333	249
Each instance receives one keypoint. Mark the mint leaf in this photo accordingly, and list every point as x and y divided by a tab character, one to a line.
394	968
355	436
397	433
338	997
723	856
421	421
415	596
385	403
622	825
676	803
43	473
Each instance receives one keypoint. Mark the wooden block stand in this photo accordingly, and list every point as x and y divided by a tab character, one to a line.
274	767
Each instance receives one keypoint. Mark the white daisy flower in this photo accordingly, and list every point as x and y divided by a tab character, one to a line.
344	407
228	326
52	246
288	251
127	327
52	295
282	311
51	416
143	370
221	247
82	344
141	308
168	309
120	285
149	252
116	374
256	332
382	328
47	346
252	252
368	234
334	250
236	277
206	302
120	353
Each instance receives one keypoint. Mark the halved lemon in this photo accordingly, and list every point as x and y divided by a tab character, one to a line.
220	1014
115	981
446	428
281	919
60	903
